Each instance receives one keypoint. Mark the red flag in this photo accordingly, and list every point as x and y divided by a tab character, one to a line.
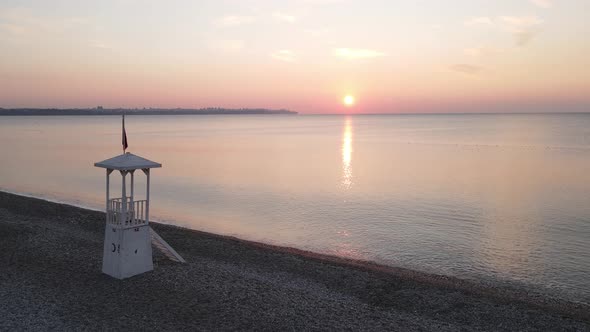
125	145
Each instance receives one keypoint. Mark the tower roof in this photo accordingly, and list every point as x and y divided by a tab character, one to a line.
127	161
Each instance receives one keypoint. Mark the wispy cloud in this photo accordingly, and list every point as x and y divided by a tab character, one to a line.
480	51
227	45
520	22
284	55
234	20
13	29
316	32
283	17
542	3
466	69
482	20
21	20
523	38
523	28
99	44
321	2
357	53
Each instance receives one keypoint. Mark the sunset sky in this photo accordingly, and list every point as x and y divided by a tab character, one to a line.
305	55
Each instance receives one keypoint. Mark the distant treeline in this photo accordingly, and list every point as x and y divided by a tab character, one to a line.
136	111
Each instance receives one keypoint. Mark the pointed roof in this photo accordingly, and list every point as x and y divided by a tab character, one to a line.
127	161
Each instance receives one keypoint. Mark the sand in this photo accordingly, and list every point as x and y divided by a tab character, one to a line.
50	259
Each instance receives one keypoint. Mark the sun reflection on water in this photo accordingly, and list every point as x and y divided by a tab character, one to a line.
347	154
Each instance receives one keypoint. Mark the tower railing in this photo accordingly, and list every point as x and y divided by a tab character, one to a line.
123	211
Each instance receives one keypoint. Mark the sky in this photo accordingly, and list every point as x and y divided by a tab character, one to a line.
393	56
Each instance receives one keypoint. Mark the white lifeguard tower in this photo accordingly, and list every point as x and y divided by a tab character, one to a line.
128	237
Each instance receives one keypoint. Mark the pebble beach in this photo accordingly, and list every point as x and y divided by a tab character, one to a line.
50	279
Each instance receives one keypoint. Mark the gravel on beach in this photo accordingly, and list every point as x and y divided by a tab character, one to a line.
50	279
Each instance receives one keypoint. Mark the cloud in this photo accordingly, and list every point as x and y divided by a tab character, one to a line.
520	22
284	55
466	69
23	21
316	32
322	2
99	44
482	21
480	51
510	22
13	29
523	38
227	45
235	20
542	3
357	53
279	16
523	28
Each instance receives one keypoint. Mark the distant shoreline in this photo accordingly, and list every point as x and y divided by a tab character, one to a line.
241	111
151	111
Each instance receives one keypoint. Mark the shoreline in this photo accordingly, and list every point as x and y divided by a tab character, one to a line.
100	111
395	293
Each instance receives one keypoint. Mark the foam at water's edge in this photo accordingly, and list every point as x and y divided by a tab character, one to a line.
503	294
71	203
52	200
534	290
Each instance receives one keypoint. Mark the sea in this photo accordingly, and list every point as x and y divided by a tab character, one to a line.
494	198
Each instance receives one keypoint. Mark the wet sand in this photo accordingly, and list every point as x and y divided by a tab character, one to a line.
50	259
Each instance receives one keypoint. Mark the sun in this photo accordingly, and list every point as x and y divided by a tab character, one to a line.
348	100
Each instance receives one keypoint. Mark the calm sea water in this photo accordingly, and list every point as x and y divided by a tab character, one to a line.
495	198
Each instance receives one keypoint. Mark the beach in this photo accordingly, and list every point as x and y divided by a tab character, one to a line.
50	278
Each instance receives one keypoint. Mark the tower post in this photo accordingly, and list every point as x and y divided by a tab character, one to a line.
109	171
132	186
147	195
123	194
